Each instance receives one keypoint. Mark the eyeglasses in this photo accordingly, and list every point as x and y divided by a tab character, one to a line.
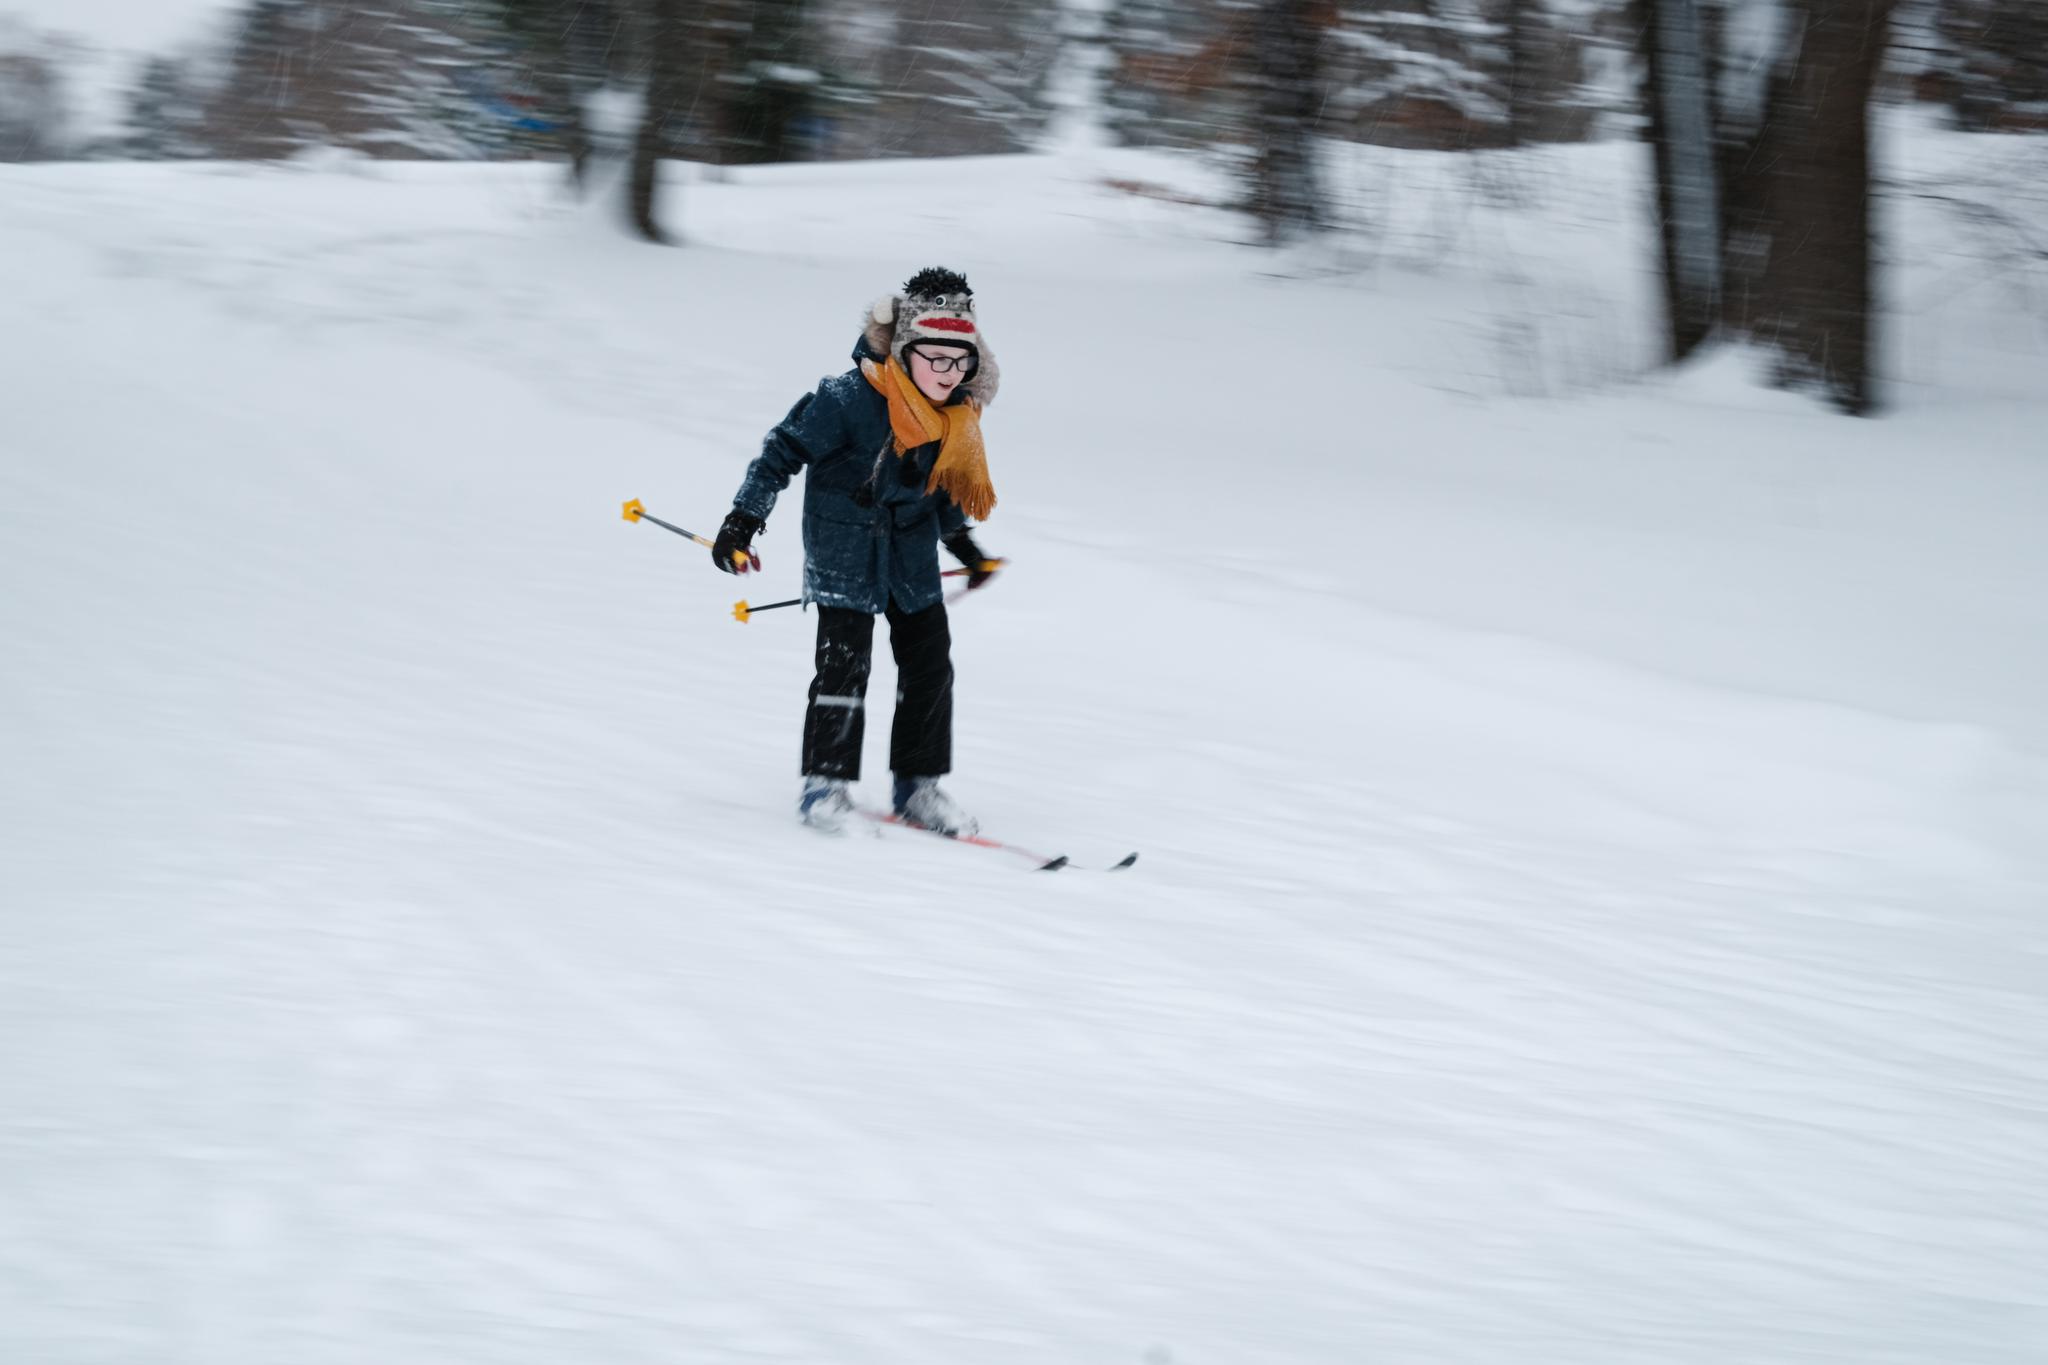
946	363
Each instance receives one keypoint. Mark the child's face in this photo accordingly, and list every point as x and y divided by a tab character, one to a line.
955	364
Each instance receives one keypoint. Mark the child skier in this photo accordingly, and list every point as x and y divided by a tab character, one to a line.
896	467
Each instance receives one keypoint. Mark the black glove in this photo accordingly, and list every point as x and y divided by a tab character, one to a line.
733	550
980	567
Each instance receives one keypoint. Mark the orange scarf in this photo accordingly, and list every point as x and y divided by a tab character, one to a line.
962	466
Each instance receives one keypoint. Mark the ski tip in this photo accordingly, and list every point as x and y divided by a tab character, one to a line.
1125	863
1055	865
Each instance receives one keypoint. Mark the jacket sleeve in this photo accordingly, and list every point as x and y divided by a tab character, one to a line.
816	426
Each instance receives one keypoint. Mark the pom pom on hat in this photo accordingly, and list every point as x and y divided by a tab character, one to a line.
936	305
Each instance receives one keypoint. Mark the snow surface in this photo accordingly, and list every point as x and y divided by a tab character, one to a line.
1591	903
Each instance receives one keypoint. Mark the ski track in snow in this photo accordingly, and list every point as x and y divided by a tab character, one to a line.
407	954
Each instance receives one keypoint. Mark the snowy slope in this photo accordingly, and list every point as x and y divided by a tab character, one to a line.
1591	897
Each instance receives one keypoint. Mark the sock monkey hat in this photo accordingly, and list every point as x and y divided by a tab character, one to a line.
935	305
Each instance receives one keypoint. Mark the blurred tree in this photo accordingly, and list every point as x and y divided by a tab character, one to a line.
1168	76
750	73
31	107
383	77
1284	72
252	111
1560	66
961	77
1679	96
666	40
1429	73
766	83
778	80
1919	56
1759	113
35	114
723	81
564	52
1525	30
1457	74
1817	288
1993	62
163	114
1440	74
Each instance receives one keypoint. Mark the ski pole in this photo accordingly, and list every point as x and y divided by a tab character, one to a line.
633	511
986	566
741	611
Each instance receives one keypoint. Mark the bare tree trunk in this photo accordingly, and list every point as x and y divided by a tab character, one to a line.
1765	201
1818	276
561	97
1746	161
667	101
1526	33
1286	97
762	108
1688	201
568	49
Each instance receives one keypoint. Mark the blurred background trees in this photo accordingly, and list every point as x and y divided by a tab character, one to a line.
1757	111
1438	74
775	80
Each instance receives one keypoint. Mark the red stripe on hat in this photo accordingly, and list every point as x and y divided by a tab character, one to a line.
946	324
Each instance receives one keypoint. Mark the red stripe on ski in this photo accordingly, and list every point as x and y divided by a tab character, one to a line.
1044	863
1038	860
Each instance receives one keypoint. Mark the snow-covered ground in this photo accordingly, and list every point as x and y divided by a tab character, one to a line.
1594	827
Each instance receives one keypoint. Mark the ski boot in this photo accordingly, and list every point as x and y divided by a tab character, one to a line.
825	805
920	801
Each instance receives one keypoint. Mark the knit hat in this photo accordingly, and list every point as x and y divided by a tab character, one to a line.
935	305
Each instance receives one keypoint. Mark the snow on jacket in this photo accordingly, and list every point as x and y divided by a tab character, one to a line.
871	532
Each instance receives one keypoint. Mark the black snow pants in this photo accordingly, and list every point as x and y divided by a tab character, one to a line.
921	737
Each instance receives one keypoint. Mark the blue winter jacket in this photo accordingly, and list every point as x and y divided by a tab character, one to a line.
871	532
